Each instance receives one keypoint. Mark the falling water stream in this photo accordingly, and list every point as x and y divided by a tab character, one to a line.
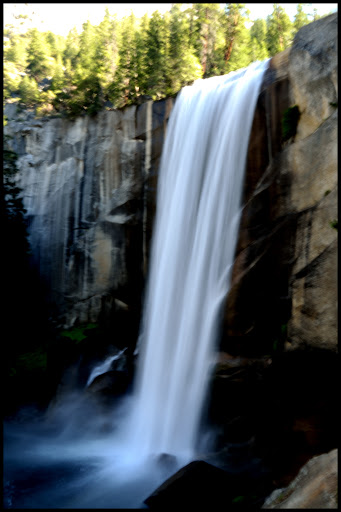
83	461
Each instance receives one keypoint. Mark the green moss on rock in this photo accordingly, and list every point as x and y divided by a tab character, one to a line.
289	122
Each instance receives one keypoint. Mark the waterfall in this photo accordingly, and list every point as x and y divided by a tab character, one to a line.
194	241
93	459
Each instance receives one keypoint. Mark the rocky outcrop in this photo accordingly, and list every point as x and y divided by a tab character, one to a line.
203	485
200	485
284	280
313	167
85	187
279	409
275	387
315	487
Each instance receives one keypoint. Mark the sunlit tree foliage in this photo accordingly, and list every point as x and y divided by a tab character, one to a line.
115	63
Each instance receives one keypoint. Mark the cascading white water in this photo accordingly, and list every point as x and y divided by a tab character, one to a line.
194	241
103	367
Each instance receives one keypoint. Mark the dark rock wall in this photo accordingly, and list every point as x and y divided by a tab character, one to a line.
284	292
257	303
274	387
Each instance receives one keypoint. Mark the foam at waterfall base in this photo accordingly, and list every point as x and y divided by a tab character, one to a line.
78	457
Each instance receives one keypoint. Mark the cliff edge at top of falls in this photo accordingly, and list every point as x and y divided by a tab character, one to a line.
89	188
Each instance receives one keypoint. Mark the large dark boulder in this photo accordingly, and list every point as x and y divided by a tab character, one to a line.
197	484
281	409
205	486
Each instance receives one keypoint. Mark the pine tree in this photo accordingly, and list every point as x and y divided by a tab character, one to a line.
140	56
122	60
58	80
56	44
15	51
233	26
88	95
66	100
258	40
87	50
28	91
178	44
193	29
238	53
12	79
301	18
71	50
106	55
205	24
39	61
258	30
123	90
183	66
241	55
156	56
279	30
314	15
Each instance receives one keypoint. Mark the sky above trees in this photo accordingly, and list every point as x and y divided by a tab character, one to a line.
60	18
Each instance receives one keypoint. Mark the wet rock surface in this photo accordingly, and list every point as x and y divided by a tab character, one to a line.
200	484
279	410
273	417
85	184
315	487
286	253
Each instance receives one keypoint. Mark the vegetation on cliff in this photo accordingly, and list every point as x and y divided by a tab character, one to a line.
115	63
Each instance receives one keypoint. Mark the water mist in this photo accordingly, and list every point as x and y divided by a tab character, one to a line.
112	462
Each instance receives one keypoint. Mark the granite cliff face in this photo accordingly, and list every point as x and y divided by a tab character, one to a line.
86	184
89	188
284	288
315	486
313	166
284	284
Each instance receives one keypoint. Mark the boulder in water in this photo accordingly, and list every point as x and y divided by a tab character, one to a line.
196	484
203	485
166	464
110	383
167	461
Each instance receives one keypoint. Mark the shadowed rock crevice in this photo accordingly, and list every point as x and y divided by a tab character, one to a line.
290	189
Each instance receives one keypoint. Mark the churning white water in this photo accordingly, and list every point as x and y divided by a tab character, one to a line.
79	457
103	367
194	241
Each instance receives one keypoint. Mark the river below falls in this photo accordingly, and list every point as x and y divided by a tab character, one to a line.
86	463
